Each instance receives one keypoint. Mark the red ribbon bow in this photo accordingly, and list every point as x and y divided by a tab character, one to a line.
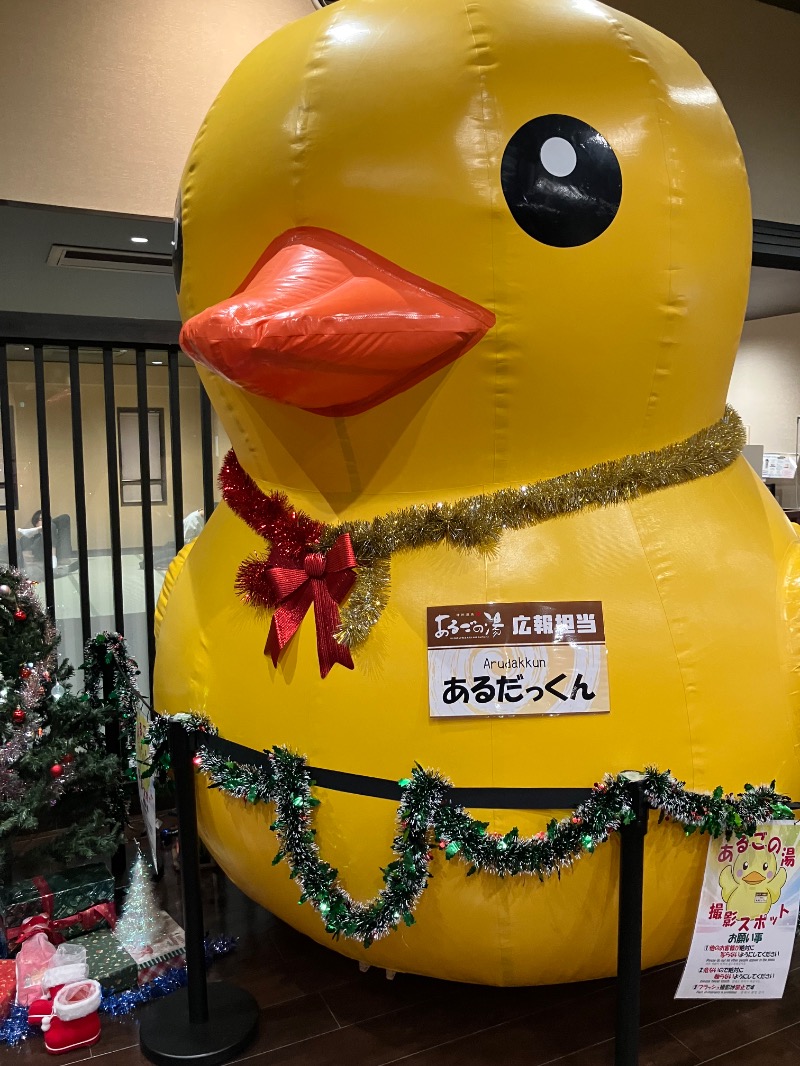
290	582
88	920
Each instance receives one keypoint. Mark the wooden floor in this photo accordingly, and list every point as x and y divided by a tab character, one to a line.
318	1009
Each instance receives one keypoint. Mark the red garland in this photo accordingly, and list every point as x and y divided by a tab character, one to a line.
295	574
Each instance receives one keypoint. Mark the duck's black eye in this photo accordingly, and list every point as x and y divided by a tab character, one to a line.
561	180
177	247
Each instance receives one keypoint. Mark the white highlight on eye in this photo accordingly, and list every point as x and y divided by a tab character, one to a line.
558	157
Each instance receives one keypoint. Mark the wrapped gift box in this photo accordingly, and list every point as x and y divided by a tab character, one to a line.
73	903
109	962
8	987
167	952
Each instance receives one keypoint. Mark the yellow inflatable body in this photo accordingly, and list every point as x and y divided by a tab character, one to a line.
616	306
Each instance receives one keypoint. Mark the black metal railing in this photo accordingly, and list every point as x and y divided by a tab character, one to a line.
87	480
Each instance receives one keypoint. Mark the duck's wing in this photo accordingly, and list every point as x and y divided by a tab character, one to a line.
791	600
776	885
171	576
727	883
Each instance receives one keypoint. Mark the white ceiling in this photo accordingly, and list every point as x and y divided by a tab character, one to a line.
28	284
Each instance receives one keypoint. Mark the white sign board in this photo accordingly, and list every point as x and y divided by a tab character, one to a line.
147	792
498	659
778	466
745	928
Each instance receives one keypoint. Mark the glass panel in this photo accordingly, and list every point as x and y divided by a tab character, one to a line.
98	517
191	453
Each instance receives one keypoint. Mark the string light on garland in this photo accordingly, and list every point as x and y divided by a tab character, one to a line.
474	523
427	819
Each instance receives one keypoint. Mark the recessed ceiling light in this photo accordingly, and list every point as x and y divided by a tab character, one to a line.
158	362
140	240
27	349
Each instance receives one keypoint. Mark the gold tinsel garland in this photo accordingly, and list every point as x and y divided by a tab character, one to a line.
478	522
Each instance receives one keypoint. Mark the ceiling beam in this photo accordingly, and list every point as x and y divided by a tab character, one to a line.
776	244
789	5
85	329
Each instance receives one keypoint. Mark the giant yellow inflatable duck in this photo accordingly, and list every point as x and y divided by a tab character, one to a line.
429	252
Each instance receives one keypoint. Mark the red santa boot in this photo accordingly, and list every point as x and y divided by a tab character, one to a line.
74	1022
53	981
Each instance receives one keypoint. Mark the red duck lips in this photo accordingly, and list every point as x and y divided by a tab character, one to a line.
330	327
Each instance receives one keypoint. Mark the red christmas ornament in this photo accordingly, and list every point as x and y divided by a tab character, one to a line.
19	716
56	770
68	758
25	672
198	761
575	821
20	615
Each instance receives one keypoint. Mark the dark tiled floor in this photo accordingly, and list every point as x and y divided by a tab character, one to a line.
317	1008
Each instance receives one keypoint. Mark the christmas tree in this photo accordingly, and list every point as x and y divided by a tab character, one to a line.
56	775
142	920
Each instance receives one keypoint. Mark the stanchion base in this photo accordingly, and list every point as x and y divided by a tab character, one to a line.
167	1037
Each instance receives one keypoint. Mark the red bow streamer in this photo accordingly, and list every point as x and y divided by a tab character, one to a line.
290	582
88	920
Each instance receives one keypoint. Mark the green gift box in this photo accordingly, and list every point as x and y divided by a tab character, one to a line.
56	895
109	962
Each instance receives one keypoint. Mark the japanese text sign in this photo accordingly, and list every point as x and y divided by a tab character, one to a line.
496	659
745	927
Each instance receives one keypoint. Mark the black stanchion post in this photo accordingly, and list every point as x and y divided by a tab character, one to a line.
629	936
202	1024
119	862
182	751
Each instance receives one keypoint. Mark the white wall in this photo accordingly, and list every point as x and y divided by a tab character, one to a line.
101	99
765	387
749	51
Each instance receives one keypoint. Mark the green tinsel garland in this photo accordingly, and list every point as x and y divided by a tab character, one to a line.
108	653
428	821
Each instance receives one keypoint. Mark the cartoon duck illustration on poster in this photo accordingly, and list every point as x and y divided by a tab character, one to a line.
753	881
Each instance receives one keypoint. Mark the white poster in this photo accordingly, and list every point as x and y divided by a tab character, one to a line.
493	659
745	928
147	792
779	466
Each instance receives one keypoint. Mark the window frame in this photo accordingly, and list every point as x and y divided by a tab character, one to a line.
161	480
14	478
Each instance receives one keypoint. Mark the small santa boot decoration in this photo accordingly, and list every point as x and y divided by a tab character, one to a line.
74	1022
67	965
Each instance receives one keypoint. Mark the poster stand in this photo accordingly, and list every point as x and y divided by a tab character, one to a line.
629	930
202	1023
